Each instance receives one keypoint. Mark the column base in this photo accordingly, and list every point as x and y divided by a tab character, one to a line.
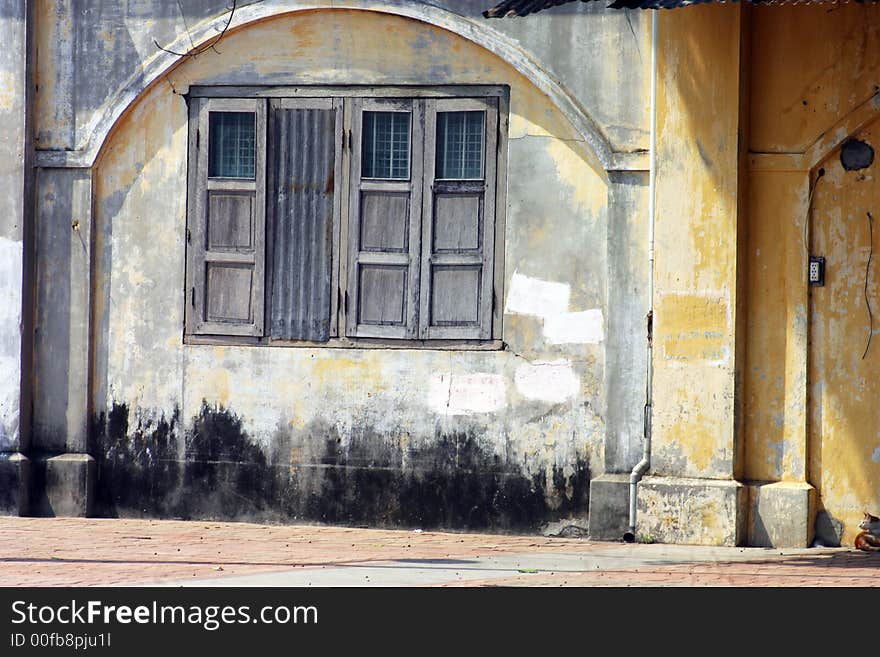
64	485
15	484
609	507
691	511
781	514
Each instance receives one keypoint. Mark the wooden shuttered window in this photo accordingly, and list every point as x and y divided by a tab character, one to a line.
458	219
226	233
384	218
304	164
421	238
270	254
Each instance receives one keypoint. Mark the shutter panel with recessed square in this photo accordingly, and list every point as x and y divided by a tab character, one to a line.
304	165
227	218
458	228
384	218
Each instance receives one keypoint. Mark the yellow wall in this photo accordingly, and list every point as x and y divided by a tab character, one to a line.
775	378
695	297
811	65
845	387
811	402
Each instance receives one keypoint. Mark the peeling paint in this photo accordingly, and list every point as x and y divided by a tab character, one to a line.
844	412
465	394
8	95
694	326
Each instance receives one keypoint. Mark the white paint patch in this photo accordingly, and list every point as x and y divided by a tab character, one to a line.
549	381
532	296
876	455
10	340
574	328
549	301
466	394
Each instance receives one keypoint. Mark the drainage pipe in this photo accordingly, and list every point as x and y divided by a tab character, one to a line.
642	466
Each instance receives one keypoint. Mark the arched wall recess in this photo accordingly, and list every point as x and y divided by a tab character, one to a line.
99	128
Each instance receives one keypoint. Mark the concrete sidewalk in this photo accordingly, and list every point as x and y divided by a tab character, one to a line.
114	552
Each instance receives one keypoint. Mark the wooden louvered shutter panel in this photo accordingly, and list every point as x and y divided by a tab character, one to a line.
227	219
304	156
458	229
384	218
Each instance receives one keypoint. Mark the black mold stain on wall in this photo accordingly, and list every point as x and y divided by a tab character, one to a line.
214	470
138	468
225	474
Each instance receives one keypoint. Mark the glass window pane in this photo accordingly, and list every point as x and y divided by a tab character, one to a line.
385	152
231	147
460	145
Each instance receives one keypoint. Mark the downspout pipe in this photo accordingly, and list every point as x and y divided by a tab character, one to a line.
642	466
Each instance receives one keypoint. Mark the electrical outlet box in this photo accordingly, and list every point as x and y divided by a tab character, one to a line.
817	271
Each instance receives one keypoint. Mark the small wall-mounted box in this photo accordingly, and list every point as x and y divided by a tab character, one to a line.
817	271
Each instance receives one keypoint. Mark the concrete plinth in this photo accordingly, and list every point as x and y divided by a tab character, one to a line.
781	514
15	471
64	486
692	511
609	507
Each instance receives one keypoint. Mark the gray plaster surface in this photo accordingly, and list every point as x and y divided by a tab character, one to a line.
432	572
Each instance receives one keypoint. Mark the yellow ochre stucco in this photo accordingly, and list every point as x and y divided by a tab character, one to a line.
758	377
695	269
810	400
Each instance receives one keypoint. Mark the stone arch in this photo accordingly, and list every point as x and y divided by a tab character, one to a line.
102	124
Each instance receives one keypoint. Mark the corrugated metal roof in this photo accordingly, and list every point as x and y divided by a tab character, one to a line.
508	8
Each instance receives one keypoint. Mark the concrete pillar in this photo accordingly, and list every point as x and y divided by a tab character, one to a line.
625	351
782	503
64	473
692	494
15	148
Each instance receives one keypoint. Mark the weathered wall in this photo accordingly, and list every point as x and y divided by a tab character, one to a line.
14	143
626	350
691	495
811	67
507	439
775	381
810	398
844	369
88	50
695	294
15	263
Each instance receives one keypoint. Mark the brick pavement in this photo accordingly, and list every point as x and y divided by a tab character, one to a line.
114	552
110	552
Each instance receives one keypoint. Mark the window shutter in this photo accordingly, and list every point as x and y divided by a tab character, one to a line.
384	218
226	218
304	156
458	233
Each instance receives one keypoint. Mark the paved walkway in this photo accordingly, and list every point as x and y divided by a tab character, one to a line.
113	552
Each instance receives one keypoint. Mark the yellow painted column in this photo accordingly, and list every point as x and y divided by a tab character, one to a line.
692	495
781	501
